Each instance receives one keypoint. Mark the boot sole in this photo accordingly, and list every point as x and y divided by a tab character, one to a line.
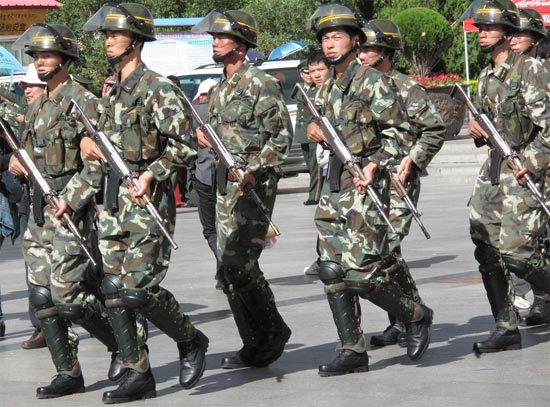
515	346
360	369
147	395
54	396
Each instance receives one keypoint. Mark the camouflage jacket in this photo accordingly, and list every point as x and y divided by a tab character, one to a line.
249	114
515	97
148	124
53	141
429	129
9	111
363	106
303	116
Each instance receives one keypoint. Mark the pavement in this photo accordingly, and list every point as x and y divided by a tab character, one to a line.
448	375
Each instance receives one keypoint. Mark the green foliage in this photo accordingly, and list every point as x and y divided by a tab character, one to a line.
425	33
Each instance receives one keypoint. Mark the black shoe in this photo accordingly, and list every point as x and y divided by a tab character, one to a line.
61	385
539	313
402	340
311	202
133	386
116	368
2	328
192	360
243	358
389	337
419	334
347	361
499	340
35	341
272	348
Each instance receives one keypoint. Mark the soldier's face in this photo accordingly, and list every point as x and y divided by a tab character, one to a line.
490	34
46	61
223	44
336	42
33	92
116	42
520	41
370	55
319	73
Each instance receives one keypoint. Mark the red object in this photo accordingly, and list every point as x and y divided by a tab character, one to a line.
30	3
179	202
542	6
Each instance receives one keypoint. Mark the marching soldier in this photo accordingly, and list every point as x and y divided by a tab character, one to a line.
355	257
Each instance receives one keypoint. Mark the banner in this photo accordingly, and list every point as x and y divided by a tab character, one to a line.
15	22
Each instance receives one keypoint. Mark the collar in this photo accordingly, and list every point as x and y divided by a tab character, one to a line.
133	79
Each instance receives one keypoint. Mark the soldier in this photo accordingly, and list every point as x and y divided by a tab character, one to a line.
60	274
525	41
383	38
353	237
148	125
249	114
505	220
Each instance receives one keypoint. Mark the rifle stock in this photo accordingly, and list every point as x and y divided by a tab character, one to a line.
115	161
50	195
337	145
496	141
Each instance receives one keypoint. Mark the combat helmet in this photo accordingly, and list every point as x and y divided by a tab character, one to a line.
531	20
131	17
237	23
503	12
382	33
335	15
48	37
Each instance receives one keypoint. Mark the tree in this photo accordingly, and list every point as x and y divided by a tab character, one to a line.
425	33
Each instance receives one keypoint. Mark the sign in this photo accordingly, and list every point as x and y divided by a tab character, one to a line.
177	53
16	21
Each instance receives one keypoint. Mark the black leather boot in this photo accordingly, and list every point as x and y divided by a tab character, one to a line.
192	360
388	337
419	334
133	386
116	368
61	385
243	358
539	313
499	340
347	361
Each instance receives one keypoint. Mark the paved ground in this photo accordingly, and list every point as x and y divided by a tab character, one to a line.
448	375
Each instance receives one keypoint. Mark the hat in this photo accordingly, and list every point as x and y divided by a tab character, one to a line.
31	77
205	87
302	67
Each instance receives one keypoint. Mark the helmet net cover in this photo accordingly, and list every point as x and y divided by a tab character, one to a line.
130	17
48	37
382	33
233	22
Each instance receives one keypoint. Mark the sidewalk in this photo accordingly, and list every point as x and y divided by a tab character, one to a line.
448	375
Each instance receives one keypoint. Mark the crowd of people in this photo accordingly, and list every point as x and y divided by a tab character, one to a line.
382	117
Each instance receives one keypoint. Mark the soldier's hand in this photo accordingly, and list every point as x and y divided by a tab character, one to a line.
89	150
405	169
145	179
369	171
315	134
248	178
520	175
475	131
63	207
201	139
15	167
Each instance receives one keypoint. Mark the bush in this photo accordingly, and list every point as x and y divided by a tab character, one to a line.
426	35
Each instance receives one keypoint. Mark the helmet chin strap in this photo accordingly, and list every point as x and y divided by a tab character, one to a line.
113	61
341	58
221	58
490	48
49	75
528	50
378	62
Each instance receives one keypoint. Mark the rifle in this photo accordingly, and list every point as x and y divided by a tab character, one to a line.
402	192
350	161
113	159
50	195
501	146
237	170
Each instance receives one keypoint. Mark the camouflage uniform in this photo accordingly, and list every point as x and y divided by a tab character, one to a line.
146	122
248	112
60	273
505	220
353	235
9	111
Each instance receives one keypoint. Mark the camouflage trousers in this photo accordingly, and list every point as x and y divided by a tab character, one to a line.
131	243
241	230
55	258
505	220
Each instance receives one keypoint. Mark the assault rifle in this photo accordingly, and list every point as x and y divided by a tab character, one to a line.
402	192
50	195
237	170
501	146
337	145
113	159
